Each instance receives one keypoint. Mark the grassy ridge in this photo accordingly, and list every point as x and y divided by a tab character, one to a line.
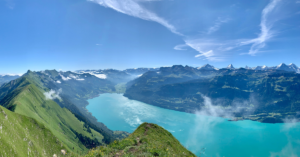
147	140
22	136
27	99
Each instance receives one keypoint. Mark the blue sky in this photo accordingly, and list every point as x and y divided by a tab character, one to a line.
120	34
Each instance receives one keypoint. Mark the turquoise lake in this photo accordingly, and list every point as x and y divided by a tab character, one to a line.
210	136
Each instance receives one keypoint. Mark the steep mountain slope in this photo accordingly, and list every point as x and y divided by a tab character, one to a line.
29	96
230	66
169	75
207	67
266	96
7	78
23	136
74	90
147	140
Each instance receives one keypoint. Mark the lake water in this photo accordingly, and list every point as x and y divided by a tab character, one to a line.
215	136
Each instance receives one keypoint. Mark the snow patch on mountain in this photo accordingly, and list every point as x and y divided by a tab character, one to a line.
207	67
230	66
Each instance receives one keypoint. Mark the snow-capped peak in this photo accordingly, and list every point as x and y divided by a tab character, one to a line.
207	67
280	65
292	65
230	66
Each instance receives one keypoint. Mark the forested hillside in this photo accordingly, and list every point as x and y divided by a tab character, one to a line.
266	96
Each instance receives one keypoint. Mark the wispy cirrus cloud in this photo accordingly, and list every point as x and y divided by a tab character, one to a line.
213	50
265	27
134	8
217	25
181	47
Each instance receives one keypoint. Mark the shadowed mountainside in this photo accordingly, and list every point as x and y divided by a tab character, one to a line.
266	96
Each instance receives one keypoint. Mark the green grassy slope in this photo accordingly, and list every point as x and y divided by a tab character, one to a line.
147	140
22	136
29	100
74	94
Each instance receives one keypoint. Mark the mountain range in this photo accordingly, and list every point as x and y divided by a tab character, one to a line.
129	74
56	101
7	78
282	66
46	109
263	95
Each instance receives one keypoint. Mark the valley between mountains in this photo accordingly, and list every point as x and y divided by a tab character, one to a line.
44	112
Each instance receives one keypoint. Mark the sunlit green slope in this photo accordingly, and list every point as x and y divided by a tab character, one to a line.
147	140
26	97
22	136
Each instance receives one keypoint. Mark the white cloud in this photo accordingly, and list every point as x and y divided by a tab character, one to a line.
266	32
70	77
133	121
207	54
53	94
101	76
289	123
58	81
133	8
11	75
64	78
181	47
215	50
211	50
76	77
289	150
204	48
217	25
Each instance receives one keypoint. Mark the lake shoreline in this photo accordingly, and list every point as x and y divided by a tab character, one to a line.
216	134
